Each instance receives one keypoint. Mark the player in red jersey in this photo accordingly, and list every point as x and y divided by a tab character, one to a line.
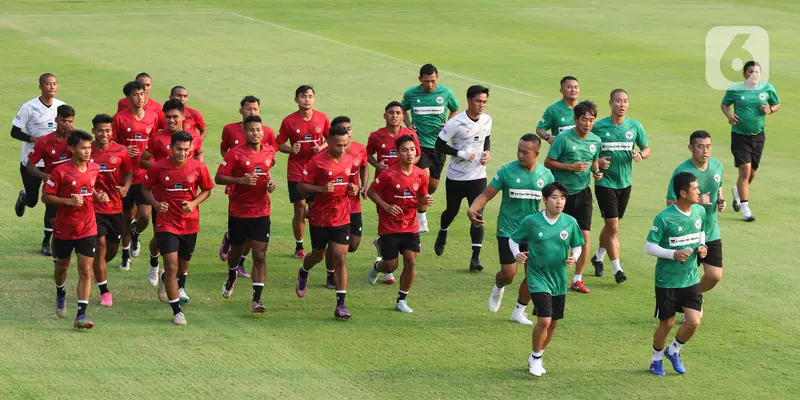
71	187
306	131
327	175
149	104
400	191
54	151
193	121
381	150
114	180
175	187
131	128
247	169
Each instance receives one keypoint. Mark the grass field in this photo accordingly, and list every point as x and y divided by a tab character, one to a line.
360	55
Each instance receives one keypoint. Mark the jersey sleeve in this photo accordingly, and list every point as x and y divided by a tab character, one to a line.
223	143
546	122
326	129
151	177
372	146
122	104
22	117
51	186
772	98
379	182
269	134
125	165
499	180
38	152
199	121
452	102
577	235
424	187
656	231
448	131
556	148
204	181
151	144
641	136
406	102
283	132
116	130
728	98
670	192
416	143
549	178
227	164
521	233
310	172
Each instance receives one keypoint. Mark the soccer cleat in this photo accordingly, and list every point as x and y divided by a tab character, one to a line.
475	265
620	277
580	287
737	205
136	245
535	366
657	368
46	250
598	267
61	306
125	265
257	308
496	298
19	206
162	291
388	278
242	272
83	323
299	254
330	282
106	300
184	298
518	315
341	313
441	241
749	218
372	275
300	288
152	276
224	248
179	319
423	226
675	359
402	306
227	293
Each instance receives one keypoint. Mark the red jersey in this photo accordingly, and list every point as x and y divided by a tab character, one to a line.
405	191
233	135
329	209
381	144
67	181
359	154
248	201
295	129
114	164
193	121
174	185
158	144
130	131
52	150
150	106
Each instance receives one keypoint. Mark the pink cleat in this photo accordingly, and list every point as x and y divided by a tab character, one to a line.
105	299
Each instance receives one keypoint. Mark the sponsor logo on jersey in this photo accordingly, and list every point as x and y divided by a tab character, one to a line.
563	235
563	129
137	135
527	194
629	135
392	153
429	110
84	190
307	137
257	170
684	240
616	146
762	96
407	193
338	179
476	138
102	167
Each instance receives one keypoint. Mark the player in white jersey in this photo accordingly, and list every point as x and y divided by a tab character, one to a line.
469	134
35	119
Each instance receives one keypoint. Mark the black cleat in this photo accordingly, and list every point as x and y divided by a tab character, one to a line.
19	207
598	267
46	251
441	241
475	265
750	219
620	277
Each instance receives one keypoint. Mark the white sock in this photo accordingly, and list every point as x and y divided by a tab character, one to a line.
746	209
615	266
675	347
387	275
497	288
601	253
537	355
423	217
736	193
577	278
520	307
657	356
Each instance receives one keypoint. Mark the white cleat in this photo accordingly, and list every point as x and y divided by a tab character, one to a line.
535	366
402	306
162	291
179	319
184	298
125	265
136	251
372	276
496	298
423	226
152	276
518	315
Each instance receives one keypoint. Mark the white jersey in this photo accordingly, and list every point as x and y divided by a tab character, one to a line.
469	136
36	119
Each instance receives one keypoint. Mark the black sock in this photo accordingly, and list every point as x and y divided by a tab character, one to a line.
153	260
401	295
47	235
330	273
103	288
242	259
476	252
257	289
176	307
303	273
126	254
60	291
441	238
298	245
476	235
82	308
340	298
231	278
182	282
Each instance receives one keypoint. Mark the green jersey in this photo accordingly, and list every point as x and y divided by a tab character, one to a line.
709	181
429	111
522	191
569	148
747	104
674	230
557	118
618	141
549	246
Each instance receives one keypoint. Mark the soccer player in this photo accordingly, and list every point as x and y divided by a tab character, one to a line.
677	238
306	131
71	187
150	105
752	101
35	119
618	134
175	187
247	169
426	109
400	191
193	121
131	128
470	133
521	183
708	172
573	158
381	148
114	180
554	242
558	117
328	177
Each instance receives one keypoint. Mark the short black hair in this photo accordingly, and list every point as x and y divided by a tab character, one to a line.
701	134
131	86
585	106
749	64
402	139
43	77
337	130
65	111
616	92
302	89
391	104
428	69
568	78
180	136
475	90
340	120
682	181
174	88
548	189
531	137
251	119
102	119
173	104
77	136
249	99
142	75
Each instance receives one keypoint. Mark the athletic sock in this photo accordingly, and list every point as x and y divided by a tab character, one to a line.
476	252
736	194
182	281
500	286
82	306
103	286
331	271
577	278
153	260
176	306
600	254
615	266
422	216
60	292
746	209
47	235
126	253
231	279
257	289
657	354
133	230
298	245
242	259
675	347
520	306
55	261
536	355
303	273
401	295
340	297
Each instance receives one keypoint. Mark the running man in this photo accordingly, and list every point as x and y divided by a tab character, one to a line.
193	121
381	148
150	105
558	117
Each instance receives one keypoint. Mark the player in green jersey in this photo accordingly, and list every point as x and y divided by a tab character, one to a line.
521	183
677	238
428	104
573	158
752	101
557	117
709	179
619	134
554	242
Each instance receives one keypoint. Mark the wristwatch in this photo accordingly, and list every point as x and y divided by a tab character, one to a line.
547	137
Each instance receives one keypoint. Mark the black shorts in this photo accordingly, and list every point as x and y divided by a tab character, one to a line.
296	195
747	149
322	235
434	160
62	248
670	301
170	243
396	243
134	196
506	256
714	256
241	230
355	224
50	210
547	306
110	226
612	202
579	206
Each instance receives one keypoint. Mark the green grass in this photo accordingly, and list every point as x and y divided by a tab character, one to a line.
359	56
